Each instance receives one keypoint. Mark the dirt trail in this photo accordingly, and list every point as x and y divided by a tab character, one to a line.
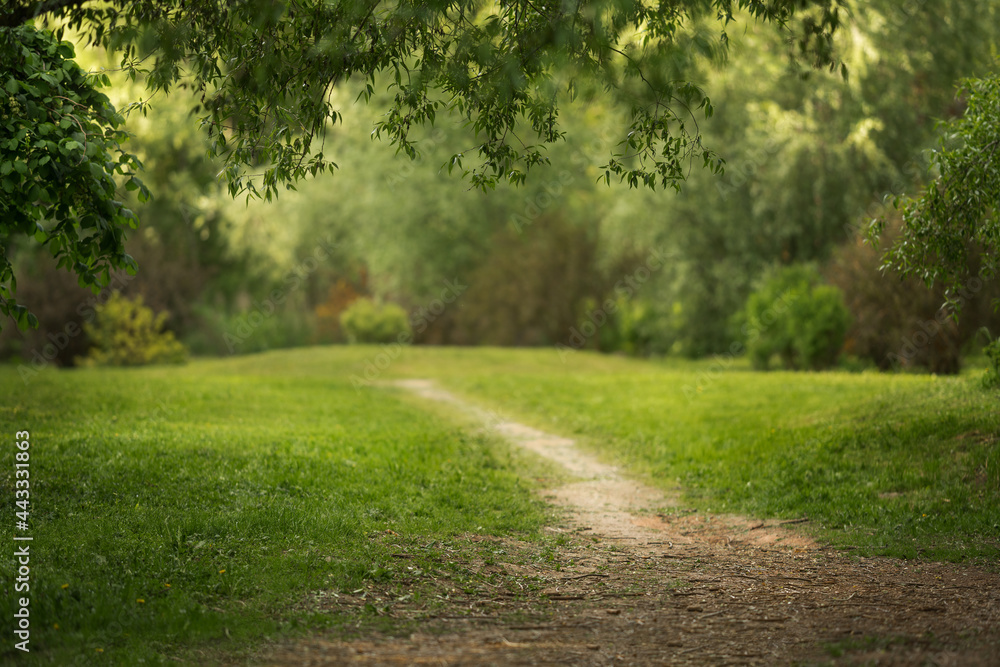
635	587
603	501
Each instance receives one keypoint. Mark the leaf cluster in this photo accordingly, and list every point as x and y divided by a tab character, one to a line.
958	211
262	72
60	154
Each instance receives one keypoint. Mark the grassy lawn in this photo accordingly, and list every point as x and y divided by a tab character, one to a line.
896	465
176	507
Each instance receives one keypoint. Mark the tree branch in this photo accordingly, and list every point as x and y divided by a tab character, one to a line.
12	18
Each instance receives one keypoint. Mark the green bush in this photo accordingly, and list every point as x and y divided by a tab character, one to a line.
365	321
254	330
127	333
637	327
795	317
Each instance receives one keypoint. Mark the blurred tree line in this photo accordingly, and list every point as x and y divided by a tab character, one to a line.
810	158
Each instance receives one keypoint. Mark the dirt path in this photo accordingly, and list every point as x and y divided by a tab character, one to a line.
629	586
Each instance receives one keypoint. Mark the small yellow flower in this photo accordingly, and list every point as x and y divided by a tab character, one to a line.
65	586
140	601
222	571
55	626
99	650
166	585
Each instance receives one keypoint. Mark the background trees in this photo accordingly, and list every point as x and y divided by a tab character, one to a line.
809	160
259	73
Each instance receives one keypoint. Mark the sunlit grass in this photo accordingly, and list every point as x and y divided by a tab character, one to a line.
173	505
901	465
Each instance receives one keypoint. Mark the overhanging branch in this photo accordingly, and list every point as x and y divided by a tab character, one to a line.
11	18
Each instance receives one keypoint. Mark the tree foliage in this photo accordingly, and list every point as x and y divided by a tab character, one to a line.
959	212
809	162
260	73
60	153
262	70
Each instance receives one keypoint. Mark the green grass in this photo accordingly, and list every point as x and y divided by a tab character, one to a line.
223	492
899	465
175	505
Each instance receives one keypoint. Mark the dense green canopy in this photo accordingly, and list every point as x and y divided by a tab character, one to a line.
951	233
260	74
60	153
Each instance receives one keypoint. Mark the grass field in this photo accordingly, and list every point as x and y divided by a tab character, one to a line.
898	465
172	507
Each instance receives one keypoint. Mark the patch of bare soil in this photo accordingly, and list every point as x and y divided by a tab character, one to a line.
625	585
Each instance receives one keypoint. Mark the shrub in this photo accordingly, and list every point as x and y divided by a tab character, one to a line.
341	295
637	327
366	321
819	321
255	330
991	379
900	322
797	318
127	333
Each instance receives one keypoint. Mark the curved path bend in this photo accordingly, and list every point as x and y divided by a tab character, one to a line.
632	586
